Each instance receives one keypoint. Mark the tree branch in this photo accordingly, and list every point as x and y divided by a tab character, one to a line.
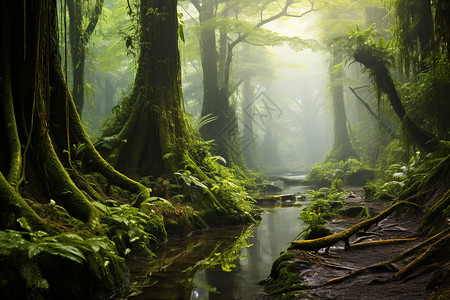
366	105
196	4
94	19
283	12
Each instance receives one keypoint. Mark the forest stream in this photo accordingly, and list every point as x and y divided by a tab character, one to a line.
219	263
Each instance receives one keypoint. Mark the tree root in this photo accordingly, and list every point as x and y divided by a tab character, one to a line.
435	212
422	245
82	184
11	128
65	191
432	245
381	242
97	163
10	197
435	248
328	241
380	267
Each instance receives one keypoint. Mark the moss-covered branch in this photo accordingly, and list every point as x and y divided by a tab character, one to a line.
435	248
328	241
431	246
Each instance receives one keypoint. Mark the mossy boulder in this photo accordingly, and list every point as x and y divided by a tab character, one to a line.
284	277
268	188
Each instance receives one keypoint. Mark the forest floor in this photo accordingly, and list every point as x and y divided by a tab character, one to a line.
315	270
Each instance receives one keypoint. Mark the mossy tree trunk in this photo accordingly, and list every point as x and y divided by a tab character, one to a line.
342	146
155	127
41	122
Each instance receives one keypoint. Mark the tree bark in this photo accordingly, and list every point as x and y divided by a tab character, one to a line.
250	152
41	120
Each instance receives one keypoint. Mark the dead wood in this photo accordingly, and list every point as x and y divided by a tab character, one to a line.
330	240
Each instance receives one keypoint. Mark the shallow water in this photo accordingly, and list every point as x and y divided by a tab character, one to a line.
278	227
219	263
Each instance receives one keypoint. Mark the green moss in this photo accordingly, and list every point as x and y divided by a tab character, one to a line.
355	212
318	231
286	256
182	221
284	277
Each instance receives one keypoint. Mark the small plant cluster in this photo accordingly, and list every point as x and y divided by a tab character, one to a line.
326	173
205	176
130	229
325	205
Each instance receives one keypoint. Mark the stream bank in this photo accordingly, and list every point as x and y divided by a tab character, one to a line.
299	274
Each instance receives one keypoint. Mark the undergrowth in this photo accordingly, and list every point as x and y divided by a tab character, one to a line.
324	174
37	261
395	179
324	206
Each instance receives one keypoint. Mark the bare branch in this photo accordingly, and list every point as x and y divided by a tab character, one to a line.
195	21
282	13
196	4
366	105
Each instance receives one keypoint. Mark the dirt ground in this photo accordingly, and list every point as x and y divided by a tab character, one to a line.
316	270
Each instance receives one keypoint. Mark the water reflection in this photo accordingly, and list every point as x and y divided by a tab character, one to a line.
278	227
220	263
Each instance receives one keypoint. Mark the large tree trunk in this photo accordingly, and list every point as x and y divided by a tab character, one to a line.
224	130
156	126
248	143
41	122
77	51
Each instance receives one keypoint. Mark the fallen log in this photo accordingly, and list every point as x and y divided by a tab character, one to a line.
330	240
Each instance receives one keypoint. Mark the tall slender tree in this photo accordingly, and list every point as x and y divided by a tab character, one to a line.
342	146
217	66
79	37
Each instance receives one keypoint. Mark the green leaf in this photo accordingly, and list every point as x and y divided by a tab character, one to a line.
52	248
24	224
